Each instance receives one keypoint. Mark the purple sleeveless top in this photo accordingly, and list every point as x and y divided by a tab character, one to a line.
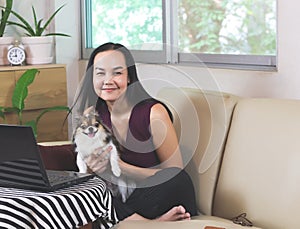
138	148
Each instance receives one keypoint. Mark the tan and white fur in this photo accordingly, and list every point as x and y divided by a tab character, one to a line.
90	135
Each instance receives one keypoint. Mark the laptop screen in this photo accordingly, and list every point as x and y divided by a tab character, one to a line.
20	161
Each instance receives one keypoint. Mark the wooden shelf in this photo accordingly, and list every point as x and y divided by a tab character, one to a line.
25	67
48	89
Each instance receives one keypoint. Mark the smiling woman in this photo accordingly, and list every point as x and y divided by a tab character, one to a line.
110	75
149	150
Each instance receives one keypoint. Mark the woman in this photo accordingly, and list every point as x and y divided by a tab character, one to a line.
150	153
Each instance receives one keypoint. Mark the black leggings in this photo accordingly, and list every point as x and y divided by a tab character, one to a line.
159	193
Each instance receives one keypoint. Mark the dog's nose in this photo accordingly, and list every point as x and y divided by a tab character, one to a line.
91	129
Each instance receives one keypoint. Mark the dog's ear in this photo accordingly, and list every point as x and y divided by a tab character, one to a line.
98	118
96	114
92	111
89	110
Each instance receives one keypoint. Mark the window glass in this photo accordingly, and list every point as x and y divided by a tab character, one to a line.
227	26
226	32
131	22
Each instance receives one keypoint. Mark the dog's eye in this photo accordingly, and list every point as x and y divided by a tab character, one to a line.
97	124
83	126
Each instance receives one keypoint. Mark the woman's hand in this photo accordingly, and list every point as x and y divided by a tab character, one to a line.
98	161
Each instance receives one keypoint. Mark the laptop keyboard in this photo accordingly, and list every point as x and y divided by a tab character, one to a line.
58	176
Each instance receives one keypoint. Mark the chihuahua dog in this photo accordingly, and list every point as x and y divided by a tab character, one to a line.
90	135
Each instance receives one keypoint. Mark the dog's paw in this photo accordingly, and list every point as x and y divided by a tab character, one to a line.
122	186
114	162
81	165
115	168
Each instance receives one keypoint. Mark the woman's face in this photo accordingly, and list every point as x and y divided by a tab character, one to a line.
110	75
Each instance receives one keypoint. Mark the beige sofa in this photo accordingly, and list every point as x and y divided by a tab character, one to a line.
243	155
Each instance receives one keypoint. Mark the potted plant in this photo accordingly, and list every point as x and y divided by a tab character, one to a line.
37	43
20	93
5	41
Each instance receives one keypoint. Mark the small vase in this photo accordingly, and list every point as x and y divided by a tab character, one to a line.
38	49
5	42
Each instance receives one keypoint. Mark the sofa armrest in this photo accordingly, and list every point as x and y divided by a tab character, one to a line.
58	155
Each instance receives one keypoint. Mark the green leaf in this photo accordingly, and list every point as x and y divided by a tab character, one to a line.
11	109
17	24
34	17
4	110
37	29
58	34
2	113
55	108
33	125
21	89
26	25
52	16
5	14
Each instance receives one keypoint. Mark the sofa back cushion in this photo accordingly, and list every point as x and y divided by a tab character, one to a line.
260	172
201	120
58	156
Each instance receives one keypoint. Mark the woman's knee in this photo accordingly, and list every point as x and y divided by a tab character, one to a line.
177	177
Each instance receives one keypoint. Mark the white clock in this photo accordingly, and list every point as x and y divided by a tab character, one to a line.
16	55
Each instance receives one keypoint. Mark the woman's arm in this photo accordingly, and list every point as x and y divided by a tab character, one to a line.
164	137
165	142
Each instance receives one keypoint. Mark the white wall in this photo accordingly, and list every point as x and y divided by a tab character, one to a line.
285	83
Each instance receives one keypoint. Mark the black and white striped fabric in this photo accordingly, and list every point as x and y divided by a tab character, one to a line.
66	208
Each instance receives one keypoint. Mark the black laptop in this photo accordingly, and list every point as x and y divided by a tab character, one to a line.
21	165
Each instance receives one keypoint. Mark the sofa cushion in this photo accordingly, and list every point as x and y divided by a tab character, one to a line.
201	120
199	222
260	168
59	157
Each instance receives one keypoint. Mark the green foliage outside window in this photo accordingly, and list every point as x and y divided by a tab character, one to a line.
227	26
129	22
205	26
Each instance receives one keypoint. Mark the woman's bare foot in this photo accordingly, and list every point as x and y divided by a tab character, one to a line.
176	213
135	216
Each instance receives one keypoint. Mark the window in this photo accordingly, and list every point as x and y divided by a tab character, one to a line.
235	33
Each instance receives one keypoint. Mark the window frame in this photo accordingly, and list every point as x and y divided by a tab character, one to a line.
170	54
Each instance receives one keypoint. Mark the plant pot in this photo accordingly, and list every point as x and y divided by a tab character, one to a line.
5	42
38	49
